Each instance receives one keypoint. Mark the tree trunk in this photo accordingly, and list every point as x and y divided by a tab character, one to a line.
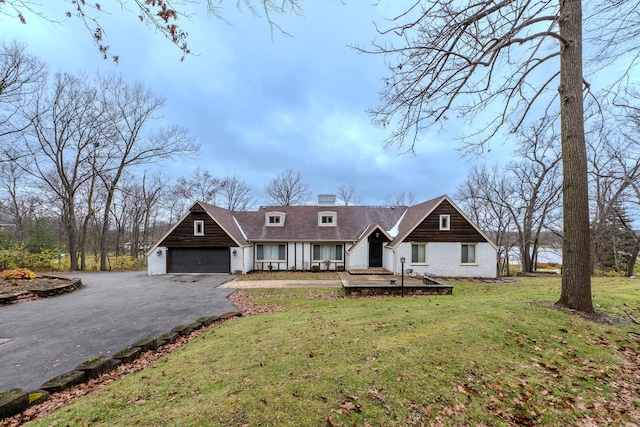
72	237
631	266
576	280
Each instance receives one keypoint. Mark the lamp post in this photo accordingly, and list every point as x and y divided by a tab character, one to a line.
402	260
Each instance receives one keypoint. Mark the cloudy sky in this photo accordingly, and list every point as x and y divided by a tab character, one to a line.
260	105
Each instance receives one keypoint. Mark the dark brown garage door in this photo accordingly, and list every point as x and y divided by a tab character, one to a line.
199	260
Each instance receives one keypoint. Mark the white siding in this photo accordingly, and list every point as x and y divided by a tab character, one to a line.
443	259
359	258
237	263
387	259
157	264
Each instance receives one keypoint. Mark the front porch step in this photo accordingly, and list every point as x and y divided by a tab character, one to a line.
379	271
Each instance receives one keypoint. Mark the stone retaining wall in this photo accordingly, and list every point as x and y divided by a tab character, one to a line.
430	286
70	286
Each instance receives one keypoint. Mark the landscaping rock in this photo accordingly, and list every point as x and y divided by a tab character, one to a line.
207	321
167	338
64	381
38	396
11	298
13	402
128	354
97	366
231	314
195	326
180	329
146	344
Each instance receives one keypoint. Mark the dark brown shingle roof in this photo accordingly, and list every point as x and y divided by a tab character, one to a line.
301	222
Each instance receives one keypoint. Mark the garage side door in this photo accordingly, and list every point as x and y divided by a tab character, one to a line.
199	260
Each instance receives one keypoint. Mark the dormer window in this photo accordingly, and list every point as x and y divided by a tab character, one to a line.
445	222
198	228
327	219
274	219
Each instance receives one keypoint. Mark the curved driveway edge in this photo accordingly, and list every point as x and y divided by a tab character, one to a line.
42	339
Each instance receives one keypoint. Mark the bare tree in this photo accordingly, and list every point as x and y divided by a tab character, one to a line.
537	188
202	186
11	182
131	109
163	16
517	202
66	122
237	194
288	189
614	168
484	195
401	199
347	195
461	59
21	76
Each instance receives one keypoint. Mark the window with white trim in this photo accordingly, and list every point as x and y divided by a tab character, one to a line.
468	253
271	252
198	228
418	253
326	219
327	252
445	222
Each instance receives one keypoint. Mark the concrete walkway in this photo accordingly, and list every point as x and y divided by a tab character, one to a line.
344	278
42	339
261	284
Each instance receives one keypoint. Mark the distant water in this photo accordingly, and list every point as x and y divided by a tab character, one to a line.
545	256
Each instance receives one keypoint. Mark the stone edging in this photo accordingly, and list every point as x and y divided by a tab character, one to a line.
72	285
17	400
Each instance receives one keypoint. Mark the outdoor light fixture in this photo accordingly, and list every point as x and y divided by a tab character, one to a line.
159	252
234	252
402	260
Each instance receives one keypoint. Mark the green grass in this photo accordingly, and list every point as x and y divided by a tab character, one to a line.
490	354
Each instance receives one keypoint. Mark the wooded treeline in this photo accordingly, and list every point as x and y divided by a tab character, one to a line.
74	175
72	148
520	203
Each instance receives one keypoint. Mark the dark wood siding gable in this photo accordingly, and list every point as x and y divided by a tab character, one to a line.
460	229
182	236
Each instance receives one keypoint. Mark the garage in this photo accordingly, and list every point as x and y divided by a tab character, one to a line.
199	260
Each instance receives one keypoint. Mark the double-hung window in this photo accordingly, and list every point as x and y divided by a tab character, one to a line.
468	255
271	252
419	253
327	252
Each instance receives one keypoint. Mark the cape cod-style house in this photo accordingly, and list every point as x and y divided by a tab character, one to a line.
435	237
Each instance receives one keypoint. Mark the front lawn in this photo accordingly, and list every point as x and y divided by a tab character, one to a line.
488	355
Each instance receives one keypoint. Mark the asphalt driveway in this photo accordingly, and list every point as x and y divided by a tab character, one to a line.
42	339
